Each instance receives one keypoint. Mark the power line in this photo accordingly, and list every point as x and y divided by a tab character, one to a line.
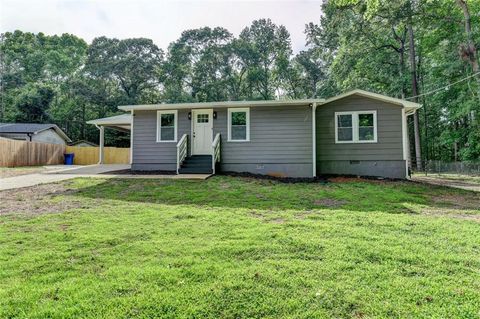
442	88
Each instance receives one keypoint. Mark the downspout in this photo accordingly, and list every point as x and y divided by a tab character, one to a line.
405	142
314	140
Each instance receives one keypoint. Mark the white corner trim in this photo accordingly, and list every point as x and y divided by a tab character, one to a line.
314	140
355	127
229	125
159	113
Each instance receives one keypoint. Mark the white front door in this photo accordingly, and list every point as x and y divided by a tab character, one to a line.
202	132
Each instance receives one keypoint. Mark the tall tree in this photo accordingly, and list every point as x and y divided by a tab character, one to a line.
267	49
196	66
133	64
415	92
33	103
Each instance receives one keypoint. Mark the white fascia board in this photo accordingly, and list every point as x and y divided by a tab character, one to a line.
376	96
230	104
123	119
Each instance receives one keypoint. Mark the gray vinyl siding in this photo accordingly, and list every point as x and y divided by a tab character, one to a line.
280	142
384	158
148	154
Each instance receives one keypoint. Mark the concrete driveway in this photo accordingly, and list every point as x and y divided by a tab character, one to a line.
59	173
88	170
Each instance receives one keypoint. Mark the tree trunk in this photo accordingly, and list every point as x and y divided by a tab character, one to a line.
469	52
416	124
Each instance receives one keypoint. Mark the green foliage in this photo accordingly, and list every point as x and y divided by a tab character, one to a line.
132	64
356	44
33	102
367	45
197	67
241	248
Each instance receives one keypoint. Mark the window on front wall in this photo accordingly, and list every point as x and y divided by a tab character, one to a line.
356	127
238	125
166	126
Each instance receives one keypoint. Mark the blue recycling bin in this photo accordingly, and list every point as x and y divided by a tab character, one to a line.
68	158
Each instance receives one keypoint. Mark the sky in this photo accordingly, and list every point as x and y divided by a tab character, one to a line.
162	20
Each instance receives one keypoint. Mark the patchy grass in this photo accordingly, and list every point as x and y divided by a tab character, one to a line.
474	179
21	170
471	183
241	248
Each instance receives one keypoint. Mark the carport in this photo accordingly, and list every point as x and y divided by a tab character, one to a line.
121	123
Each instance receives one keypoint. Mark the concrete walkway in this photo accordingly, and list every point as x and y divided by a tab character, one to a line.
61	173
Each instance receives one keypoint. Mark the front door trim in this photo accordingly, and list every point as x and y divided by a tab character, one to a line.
193	121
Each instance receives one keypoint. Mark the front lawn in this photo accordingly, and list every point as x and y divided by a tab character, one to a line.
239	248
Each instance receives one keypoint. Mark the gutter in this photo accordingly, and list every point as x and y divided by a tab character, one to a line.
224	104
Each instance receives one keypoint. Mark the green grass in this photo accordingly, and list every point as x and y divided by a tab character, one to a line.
240	248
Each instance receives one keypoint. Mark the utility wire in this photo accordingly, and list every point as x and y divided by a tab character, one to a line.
442	88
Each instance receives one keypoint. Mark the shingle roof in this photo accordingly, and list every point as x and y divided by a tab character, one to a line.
31	128
199	105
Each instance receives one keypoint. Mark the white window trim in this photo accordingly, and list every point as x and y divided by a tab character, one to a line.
159	113
232	110
355	127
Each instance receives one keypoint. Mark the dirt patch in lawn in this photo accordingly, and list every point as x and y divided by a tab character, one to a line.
18	171
267	218
40	199
471	184
352	179
458	201
451	213
329	202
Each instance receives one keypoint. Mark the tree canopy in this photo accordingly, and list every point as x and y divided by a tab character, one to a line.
407	49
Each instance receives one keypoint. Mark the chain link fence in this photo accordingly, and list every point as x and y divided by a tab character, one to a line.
471	168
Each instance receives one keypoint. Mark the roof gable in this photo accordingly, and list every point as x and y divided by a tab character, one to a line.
31	128
406	104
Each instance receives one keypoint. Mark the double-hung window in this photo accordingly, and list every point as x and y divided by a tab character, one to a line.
167	126
356	127
239	125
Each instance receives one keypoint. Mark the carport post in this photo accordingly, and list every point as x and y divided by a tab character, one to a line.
101	144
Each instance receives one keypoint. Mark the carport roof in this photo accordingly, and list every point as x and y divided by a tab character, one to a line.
122	122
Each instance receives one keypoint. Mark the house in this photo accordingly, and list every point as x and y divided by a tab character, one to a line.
356	133
33	132
83	143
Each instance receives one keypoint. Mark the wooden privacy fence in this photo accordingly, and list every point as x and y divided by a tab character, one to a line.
22	153
90	155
